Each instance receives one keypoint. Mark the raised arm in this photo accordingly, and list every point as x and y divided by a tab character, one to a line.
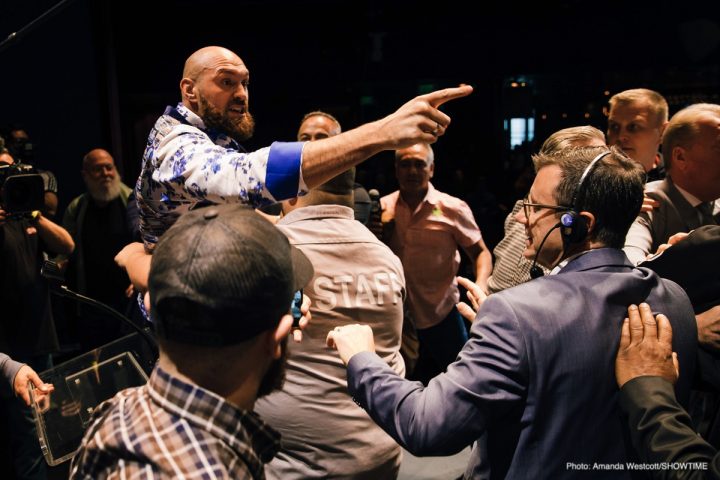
419	120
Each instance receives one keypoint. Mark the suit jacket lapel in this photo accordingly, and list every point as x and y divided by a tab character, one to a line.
688	214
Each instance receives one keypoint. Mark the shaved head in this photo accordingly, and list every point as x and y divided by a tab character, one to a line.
207	58
96	155
215	87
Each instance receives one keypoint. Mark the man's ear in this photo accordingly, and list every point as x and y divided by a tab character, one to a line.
678	158
589	221
275	337
187	89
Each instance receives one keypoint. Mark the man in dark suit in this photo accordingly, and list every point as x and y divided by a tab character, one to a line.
689	197
660	428
536	375
699	249
692	262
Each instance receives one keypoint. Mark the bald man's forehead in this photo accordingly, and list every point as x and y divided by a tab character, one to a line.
214	60
97	156
233	65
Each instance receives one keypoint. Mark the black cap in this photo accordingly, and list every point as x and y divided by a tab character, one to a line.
221	275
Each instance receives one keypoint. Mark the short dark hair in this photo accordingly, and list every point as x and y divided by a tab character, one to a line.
612	191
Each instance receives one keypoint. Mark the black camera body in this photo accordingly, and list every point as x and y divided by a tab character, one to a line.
22	190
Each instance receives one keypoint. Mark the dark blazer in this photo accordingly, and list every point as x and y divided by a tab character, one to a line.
662	432
694	264
537	374
651	229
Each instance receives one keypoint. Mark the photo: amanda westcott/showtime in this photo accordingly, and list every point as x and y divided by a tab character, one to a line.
664	466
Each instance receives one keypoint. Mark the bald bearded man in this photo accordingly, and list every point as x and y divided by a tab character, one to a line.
193	157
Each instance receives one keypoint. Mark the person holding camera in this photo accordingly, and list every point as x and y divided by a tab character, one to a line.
27	331
20	147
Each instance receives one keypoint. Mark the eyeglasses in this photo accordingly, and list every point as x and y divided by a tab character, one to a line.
537	206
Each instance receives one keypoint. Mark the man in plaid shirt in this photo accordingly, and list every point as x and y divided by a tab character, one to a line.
221	283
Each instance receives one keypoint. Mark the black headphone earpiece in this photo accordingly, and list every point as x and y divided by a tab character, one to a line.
574	226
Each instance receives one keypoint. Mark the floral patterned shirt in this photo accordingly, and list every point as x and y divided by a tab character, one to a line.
186	166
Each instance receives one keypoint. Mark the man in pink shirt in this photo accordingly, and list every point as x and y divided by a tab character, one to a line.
424	227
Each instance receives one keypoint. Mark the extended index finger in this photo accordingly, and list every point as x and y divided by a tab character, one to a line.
439	97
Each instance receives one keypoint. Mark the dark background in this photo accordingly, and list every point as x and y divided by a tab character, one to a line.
97	73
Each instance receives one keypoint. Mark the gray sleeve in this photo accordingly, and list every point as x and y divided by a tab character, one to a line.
9	368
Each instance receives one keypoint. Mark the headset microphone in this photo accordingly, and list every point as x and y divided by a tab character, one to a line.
535	271
573	226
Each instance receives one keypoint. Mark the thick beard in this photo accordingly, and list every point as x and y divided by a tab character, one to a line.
102	193
275	375
213	118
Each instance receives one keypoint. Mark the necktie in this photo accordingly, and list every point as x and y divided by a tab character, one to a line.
706	213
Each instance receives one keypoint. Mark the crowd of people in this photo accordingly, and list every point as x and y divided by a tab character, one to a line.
588	342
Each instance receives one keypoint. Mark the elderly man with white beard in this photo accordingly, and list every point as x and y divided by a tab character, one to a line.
97	222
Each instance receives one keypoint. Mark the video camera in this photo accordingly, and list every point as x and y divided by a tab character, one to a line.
22	190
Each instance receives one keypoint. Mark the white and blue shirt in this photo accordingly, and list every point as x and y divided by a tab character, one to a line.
186	166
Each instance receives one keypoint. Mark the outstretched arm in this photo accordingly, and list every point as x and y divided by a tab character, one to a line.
419	120
488	380
19	376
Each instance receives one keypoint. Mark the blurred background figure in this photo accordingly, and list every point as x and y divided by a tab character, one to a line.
97	221
636	122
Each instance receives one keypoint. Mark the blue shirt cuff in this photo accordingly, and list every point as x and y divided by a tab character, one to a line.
282	178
